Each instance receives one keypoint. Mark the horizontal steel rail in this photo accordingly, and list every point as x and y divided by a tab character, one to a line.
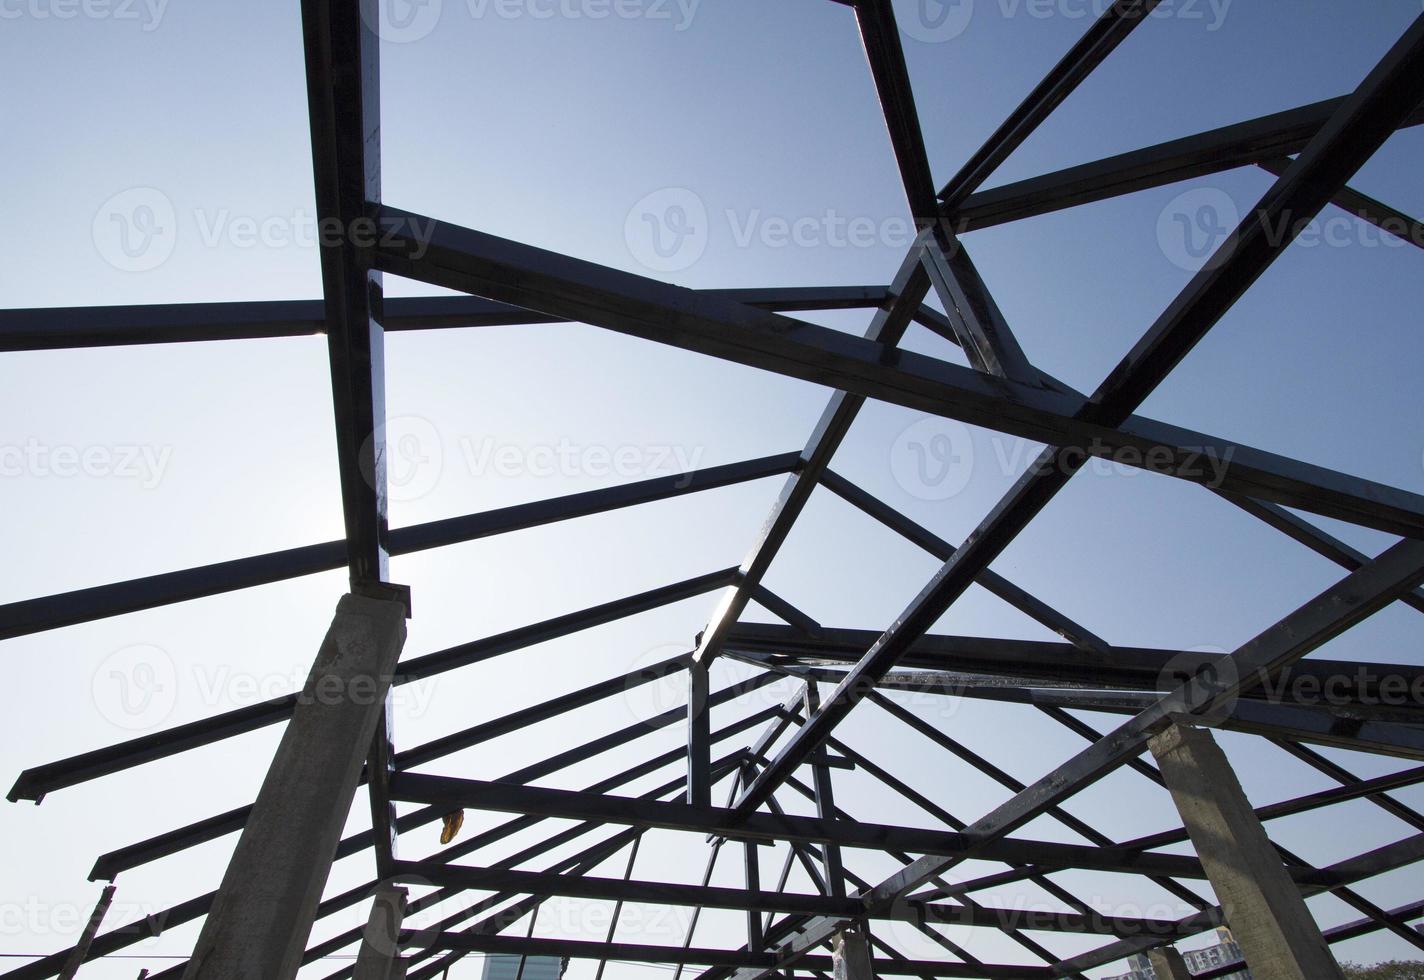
85	605
62	328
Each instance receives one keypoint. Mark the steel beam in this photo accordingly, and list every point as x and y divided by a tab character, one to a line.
1345	604
67	327
1352	898
343	74
1344	777
1129	668
1002	391
582	949
1110	29
1345	728
1315	725
699	730
518	517
1075	633
155	925
780	607
888	327
618	905
471	261
949	820
484	795
380	766
1363	927
825	801
499	920
1351	136
974	319
1326	545
1337	609
751	876
1241	144
113	862
1009	928
85	605
987	768
34	783
1390	857
881	39
1362	206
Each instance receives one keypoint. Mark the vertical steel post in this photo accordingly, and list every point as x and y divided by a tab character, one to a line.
699	735
825	802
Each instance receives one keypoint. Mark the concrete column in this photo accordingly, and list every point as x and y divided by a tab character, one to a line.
380	954
1168	964
262	915
1263	906
850	954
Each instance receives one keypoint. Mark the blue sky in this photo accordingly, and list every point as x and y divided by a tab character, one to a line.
183	126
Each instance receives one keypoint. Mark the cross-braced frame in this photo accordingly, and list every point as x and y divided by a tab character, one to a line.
793	748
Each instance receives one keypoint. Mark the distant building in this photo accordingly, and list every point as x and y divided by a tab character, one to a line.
1137	969
502	966
1198	960
1136	965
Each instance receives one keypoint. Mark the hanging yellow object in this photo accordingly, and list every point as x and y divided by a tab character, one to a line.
451	826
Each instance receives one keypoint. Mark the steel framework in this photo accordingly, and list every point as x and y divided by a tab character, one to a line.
1312	151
